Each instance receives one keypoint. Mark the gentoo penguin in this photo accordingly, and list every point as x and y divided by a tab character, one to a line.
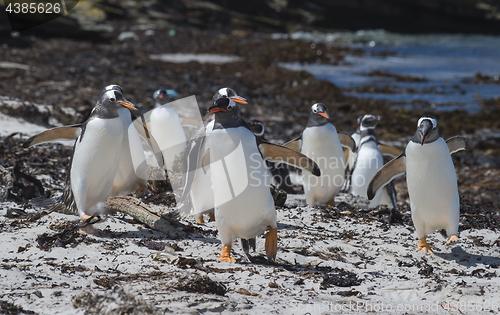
368	161
321	142
244	207
132	172
279	171
431	180
166	128
96	155
201	192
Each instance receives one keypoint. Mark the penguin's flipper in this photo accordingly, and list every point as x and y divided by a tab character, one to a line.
295	144
192	161
58	133
457	143
396	167
141	127
346	154
389	151
205	161
347	141
278	153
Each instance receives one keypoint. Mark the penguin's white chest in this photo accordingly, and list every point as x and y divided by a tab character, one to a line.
368	161
432	187
322	145
167	130
240	179
95	162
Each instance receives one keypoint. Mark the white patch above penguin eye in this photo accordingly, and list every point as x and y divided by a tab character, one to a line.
111	96
431	119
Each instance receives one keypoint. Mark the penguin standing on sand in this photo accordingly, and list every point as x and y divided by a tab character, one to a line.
132	172
96	155
368	161
201	192
321	142
166	128
244	206
431	180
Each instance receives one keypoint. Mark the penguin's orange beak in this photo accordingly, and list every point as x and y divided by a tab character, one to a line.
239	99
127	104
216	109
324	115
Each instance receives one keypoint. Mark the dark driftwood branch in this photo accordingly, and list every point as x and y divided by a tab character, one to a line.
142	213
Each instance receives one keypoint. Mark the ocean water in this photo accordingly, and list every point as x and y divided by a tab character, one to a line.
445	63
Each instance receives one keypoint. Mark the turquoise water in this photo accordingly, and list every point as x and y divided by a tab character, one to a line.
445	63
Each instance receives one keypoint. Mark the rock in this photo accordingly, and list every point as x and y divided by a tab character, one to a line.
39	114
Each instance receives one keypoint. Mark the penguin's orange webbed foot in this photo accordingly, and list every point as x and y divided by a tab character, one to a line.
141	191
272	243
452	239
331	203
423	246
90	229
200	219
225	254
212	217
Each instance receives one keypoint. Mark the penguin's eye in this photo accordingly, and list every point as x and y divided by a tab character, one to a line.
112	99
229	107
315	111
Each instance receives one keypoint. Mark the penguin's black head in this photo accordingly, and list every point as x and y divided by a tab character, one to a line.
318	116
257	127
369	121
228	93
163	96
226	112
427	130
113	99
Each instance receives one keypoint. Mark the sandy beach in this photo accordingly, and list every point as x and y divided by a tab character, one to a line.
330	260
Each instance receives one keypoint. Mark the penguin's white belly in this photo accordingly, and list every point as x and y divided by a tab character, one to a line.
132	170
202	193
166	128
244	205
95	163
369	160
432	187
322	145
